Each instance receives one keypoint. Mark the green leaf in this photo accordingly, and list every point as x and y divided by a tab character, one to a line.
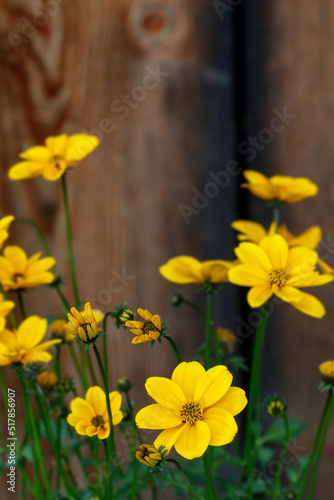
276	432
265	455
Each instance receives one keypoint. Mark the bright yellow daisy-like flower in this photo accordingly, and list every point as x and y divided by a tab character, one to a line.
255	232
5	222
196	408
83	325
147	331
5	307
280	188
185	269
90	416
272	268
23	345
17	271
52	160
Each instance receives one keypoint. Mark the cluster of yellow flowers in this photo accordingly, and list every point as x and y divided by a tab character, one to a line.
196	408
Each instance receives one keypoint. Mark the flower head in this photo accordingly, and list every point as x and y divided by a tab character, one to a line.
5	307
122	314
275	406
272	268
185	269
147	331
5	222
195	408
327	370
255	232
17	271
226	338
149	455
279	188
47	380
52	160
83	325
90	416
23	345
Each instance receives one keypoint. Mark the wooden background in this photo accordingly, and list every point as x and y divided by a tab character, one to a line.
66	65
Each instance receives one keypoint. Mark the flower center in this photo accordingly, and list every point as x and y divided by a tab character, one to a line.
191	412
98	421
149	327
278	276
84	326
17	276
57	160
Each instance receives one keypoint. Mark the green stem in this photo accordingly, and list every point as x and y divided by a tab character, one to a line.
82	374
208	330
48	428
175	349
209	477
91	368
184	475
48	252
285	449
69	241
97	465
104	342
110	439
314	449
252	421
36	446
65	304
277	217
21	304
11	314
196	307
321	443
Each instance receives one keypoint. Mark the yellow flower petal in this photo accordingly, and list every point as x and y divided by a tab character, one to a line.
234	401
17	257
249	230
165	392
26	170
168	437
288	294
258	295
277	249
182	270
79	146
253	255
222	426
158	417
212	385
96	397
186	376
31	331
193	440
246	275
310	305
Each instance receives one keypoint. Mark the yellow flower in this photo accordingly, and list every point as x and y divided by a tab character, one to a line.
185	269
148	331
46	379
57	328
272	268
5	307
149	455
52	160
327	369
226	338
83	325
23	345
255	232
90	416
195	408
5	222
280	188
17	271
